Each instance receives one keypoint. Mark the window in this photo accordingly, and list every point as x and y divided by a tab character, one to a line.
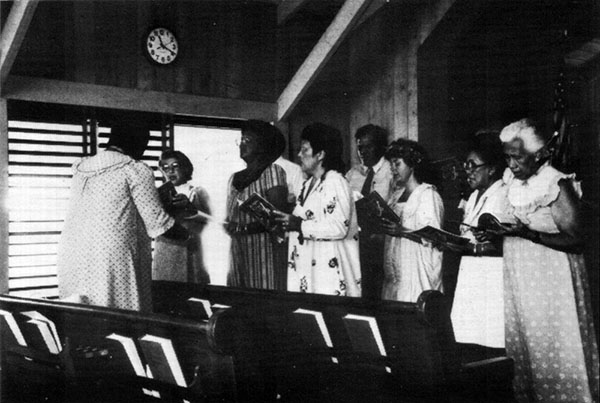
215	157
39	177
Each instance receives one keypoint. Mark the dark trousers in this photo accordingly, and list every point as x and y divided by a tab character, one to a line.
371	265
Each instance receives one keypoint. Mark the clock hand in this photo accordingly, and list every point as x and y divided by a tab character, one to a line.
162	45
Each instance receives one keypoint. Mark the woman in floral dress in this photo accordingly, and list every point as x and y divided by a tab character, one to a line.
323	258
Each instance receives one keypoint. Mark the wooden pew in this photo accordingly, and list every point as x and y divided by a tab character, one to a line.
416	356
94	365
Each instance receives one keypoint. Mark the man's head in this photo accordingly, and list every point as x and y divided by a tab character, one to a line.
371	142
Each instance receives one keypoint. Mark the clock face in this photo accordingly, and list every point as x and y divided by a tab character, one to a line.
161	46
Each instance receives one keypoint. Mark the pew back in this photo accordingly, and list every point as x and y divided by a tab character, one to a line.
105	355
368	347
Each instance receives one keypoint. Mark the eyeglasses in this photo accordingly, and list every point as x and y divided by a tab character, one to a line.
244	140
470	165
174	166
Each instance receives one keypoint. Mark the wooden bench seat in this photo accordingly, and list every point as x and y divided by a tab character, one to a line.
417	356
94	364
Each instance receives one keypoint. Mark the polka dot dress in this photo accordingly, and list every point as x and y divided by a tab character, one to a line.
105	249
549	329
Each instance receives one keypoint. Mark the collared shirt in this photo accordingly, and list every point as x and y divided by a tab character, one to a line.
382	180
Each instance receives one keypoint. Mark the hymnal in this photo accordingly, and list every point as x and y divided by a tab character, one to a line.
263	210
371	210
364	335
495	222
314	330
162	359
131	351
259	207
47	330
14	327
201	306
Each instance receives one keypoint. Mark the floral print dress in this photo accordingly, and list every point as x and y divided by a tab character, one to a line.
324	258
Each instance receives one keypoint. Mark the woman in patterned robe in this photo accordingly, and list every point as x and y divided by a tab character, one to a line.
257	258
549	329
105	254
323	258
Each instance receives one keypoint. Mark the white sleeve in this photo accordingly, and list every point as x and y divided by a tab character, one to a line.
334	221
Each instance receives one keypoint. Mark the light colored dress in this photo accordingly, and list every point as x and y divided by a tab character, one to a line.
411	267
549	329
325	259
174	261
478	307
255	260
105	247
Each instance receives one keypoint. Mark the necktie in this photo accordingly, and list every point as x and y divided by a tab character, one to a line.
366	189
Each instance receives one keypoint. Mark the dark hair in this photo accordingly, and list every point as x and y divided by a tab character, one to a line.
377	133
131	137
185	164
269	138
414	155
328	139
488	147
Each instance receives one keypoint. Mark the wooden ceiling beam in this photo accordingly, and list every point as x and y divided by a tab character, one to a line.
13	34
344	21
102	96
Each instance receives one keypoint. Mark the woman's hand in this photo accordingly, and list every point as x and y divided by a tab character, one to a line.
391	228
287	222
484	235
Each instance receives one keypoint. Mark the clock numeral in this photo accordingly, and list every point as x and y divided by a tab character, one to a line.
152	38
152	52
162	59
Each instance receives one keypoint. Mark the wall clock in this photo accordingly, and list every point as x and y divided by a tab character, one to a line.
161	46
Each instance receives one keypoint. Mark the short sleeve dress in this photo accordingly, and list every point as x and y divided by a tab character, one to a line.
478	306
549	329
410	267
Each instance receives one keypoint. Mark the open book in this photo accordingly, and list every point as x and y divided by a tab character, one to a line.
262	209
201	307
162	359
436	236
370	211
495	222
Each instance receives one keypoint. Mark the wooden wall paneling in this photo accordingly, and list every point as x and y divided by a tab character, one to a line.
143	68
200	52
128	44
399	127
234	29
83	56
107	57
3	196
182	65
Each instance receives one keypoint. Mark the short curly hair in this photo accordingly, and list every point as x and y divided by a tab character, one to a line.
413	154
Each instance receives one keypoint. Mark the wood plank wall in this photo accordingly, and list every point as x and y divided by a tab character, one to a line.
227	49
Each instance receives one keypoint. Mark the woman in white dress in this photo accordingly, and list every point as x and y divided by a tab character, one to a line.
176	261
323	258
478	307
411	267
549	328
